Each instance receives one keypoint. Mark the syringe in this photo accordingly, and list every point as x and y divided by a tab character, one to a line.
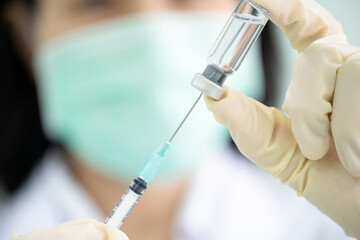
137	188
225	57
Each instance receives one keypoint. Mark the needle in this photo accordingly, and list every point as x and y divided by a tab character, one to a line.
182	122
139	185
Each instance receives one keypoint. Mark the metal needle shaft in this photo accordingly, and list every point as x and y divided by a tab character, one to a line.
182	122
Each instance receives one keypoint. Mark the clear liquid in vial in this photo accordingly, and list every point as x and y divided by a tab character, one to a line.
237	37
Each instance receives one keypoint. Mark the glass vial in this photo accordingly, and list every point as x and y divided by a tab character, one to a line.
237	37
230	48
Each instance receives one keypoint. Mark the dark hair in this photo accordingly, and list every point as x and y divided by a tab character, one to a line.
270	64
22	142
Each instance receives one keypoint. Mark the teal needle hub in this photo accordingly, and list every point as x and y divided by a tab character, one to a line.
154	163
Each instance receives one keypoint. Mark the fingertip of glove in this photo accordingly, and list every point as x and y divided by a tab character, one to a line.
313	155
223	109
211	102
354	171
99	229
113	233
348	153
312	133
313	148
208	99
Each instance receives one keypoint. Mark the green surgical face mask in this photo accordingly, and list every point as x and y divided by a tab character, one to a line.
114	91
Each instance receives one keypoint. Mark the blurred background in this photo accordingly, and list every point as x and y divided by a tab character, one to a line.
36	193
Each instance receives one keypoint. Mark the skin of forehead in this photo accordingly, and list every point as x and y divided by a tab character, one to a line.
54	17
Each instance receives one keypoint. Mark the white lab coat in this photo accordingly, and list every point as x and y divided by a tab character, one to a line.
229	198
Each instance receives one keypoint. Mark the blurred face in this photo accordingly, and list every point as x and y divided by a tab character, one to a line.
55	17
107	69
113	78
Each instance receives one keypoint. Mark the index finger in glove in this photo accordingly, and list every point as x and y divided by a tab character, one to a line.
80	229
302	21
262	134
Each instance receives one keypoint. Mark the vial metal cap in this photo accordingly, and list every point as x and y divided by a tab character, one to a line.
207	86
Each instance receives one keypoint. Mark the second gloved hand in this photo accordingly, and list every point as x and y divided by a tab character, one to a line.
81	229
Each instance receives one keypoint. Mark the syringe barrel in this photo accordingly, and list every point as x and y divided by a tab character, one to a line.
230	48
127	202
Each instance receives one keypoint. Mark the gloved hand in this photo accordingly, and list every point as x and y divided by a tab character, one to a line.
264	135
282	145
81	229
323	99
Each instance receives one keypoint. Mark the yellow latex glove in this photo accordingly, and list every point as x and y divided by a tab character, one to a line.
323	99
264	135
280	145
81	229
